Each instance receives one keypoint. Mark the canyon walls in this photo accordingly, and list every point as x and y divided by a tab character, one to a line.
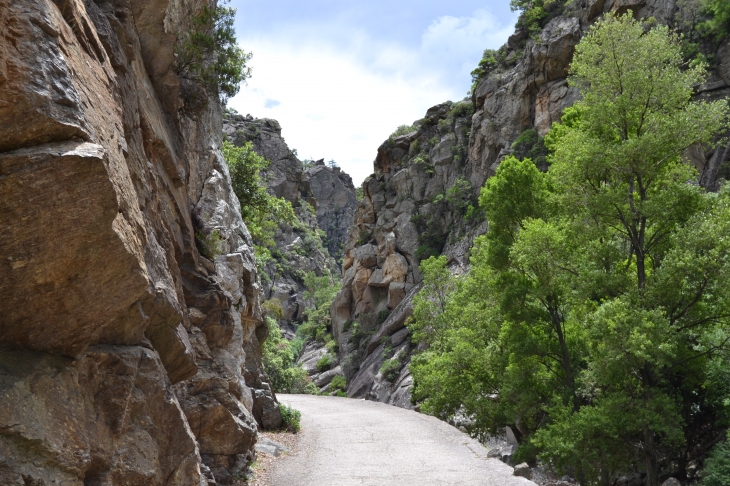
324	201
126	356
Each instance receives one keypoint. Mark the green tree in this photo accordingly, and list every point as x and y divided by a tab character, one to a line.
261	211
321	291
599	294
618	174
719	22
280	364
209	54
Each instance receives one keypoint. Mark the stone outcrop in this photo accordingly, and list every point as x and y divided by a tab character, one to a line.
334	203
413	204
323	199
416	202
126	357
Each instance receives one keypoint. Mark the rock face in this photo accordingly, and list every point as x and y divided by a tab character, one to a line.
416	202
126	357
335	203
323	199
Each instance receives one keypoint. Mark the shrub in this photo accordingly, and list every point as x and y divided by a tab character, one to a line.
208	53
210	245
719	23
717	466
390	369
301	382
272	308
338	383
333	347
324	363
529	145
261	211
358	334
462	109
364	237
279	358
403	130
290	418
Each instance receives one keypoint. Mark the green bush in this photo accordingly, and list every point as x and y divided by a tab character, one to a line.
717	466
210	245
261	211
338	383
208	53
279	361
403	130
290	418
718	25
529	145
324	363
390	369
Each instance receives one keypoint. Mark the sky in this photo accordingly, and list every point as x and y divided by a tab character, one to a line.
341	76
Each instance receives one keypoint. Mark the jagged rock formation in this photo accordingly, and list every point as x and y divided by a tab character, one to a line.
299	247
414	204
126	357
406	210
335	201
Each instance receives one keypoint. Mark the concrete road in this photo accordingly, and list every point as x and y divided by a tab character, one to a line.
355	442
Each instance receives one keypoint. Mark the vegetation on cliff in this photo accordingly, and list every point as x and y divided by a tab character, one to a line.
594	316
209	55
261	211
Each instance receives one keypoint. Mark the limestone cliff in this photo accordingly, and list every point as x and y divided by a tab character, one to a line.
323	199
421	199
126	357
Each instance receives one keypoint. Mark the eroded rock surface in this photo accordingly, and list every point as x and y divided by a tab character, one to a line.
126	357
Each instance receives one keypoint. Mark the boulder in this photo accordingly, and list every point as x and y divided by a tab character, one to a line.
523	471
671	482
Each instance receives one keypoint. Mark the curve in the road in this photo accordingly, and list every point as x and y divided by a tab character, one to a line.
356	442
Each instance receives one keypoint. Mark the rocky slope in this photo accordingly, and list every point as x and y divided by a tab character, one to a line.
417	203
126	357
323	199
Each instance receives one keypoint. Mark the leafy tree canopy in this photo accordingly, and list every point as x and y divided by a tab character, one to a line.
209	54
594	317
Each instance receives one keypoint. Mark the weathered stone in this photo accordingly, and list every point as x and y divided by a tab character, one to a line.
96	418
523	471
106	176
270	447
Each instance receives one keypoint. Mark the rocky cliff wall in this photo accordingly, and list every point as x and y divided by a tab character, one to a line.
126	357
417	202
323	199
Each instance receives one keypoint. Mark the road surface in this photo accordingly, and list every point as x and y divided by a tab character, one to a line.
356	442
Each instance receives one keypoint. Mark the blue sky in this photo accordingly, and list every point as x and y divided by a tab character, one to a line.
341	76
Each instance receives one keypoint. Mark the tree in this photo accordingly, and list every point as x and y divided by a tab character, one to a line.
618	173
719	22
602	288
261	211
209	54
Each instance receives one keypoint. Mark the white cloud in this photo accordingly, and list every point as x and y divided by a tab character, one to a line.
341	99
460	40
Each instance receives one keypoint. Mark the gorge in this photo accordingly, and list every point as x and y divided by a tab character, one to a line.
131	355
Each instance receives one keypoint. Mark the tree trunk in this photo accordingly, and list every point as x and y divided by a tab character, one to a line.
650	458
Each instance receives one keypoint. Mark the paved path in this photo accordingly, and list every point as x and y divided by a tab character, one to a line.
355	442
